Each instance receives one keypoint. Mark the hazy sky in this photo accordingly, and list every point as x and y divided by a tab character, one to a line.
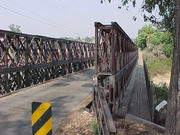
67	18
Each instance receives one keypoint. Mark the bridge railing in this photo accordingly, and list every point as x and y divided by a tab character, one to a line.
30	59
115	58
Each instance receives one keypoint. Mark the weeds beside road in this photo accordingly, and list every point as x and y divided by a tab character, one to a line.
157	66
159	70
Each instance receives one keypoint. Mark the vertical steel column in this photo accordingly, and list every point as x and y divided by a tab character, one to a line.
6	63
27	81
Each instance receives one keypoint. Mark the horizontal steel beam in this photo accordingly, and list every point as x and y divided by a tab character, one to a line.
59	63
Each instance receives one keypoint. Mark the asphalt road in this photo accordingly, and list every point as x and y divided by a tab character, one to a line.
64	94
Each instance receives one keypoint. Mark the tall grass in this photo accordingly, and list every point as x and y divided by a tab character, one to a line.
156	65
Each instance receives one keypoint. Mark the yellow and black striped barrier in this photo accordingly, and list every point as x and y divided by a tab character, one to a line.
41	118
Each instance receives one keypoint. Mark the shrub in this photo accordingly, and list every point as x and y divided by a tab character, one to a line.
148	35
168	50
95	127
141	41
155	38
161	92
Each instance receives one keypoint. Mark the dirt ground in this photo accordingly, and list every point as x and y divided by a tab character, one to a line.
161	79
131	128
79	122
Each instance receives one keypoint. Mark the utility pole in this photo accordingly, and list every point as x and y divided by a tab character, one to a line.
173	110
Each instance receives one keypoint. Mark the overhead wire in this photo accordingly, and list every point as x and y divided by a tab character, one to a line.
39	20
33	13
71	9
53	6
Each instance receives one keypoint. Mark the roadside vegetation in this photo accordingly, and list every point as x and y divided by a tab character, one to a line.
157	48
160	93
157	66
81	39
156	42
94	125
159	69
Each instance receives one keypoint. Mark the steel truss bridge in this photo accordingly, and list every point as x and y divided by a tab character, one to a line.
27	60
120	84
115	57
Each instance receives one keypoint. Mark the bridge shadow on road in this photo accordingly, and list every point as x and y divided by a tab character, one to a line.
64	94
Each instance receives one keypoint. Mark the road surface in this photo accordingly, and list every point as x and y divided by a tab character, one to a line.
64	94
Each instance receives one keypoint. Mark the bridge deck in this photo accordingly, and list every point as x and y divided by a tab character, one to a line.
64	93
139	104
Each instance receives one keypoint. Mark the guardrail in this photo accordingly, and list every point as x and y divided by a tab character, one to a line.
115	58
150	91
30	59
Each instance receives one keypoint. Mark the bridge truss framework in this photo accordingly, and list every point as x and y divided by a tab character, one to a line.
27	60
115	57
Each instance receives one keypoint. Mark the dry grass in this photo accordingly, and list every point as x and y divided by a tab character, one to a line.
157	66
131	128
80	122
77	123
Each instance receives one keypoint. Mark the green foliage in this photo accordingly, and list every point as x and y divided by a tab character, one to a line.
14	28
147	31
95	127
167	40
89	39
161	13
67	38
78	38
163	19
166	9
168	50
144	35
161	92
141	41
166	37
155	37
86	39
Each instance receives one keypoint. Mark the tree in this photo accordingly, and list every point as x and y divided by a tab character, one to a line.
14	28
173	110
148	34
148	31
166	12
167	41
141	41
89	39
144	35
78	38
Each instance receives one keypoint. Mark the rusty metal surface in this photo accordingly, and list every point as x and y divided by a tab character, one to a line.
115	58
30	59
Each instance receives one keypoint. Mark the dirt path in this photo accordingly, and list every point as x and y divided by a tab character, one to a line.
161	79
